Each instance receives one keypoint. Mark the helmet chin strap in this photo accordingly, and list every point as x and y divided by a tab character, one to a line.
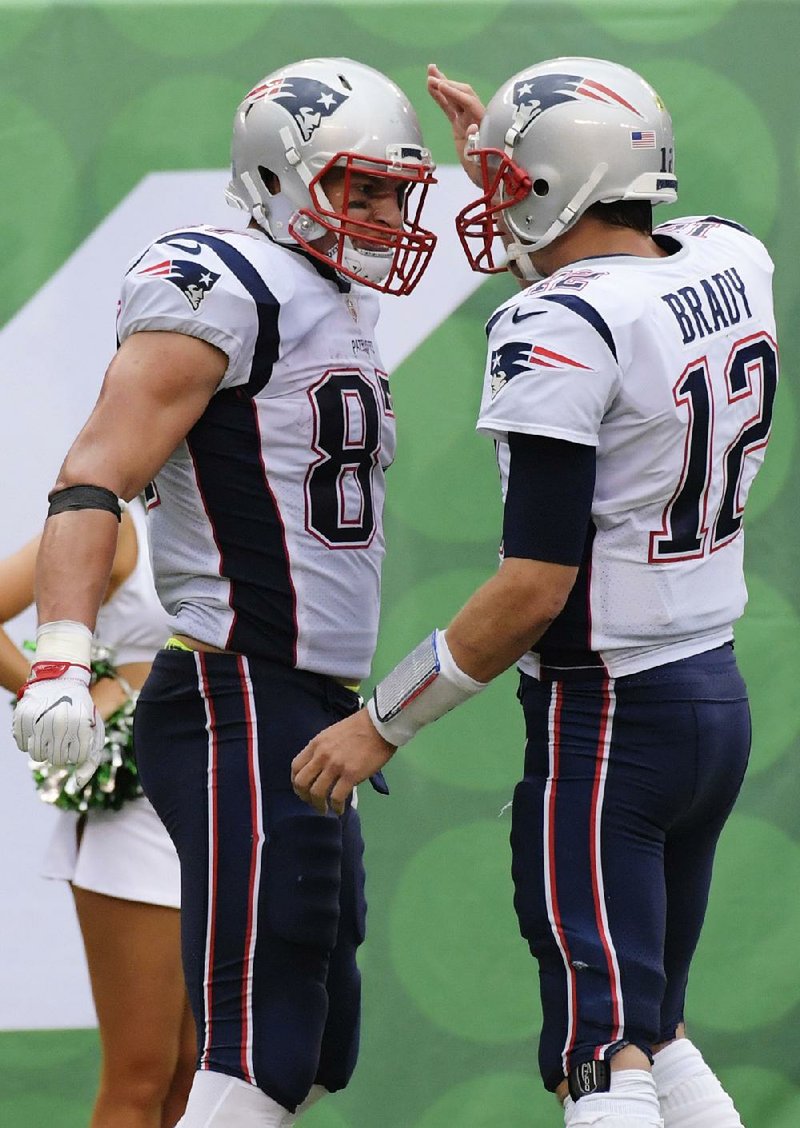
520	255
373	266
276	216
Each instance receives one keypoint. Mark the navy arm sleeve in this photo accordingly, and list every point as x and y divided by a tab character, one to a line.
548	499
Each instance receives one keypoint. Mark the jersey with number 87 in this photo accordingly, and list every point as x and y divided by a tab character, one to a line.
292	448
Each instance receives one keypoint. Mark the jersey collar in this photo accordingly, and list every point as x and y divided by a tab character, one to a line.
328	272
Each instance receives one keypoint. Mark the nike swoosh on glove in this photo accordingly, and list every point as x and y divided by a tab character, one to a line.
55	719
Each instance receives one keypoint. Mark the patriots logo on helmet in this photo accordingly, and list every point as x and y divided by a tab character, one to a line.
192	278
532	96
306	99
510	360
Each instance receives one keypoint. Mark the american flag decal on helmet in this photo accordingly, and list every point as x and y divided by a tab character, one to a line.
643	139
192	278
307	100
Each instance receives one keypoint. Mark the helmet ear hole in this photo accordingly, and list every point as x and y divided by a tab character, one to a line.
271	181
540	187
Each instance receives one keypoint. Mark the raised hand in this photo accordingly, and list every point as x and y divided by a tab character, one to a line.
463	109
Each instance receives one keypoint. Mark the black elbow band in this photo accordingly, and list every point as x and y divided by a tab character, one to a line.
83	497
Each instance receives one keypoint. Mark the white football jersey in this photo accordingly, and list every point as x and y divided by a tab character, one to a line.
266	521
668	366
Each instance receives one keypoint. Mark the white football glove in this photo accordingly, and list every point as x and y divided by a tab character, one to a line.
55	719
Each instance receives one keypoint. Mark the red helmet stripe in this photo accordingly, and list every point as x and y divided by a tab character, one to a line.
609	93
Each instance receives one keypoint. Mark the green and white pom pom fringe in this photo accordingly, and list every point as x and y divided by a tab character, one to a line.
115	781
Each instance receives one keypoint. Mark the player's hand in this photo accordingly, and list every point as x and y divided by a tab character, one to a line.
329	767
463	109
55	719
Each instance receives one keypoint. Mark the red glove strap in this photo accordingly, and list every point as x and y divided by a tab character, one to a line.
48	671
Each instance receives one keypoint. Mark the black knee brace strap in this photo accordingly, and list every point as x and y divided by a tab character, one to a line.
83	497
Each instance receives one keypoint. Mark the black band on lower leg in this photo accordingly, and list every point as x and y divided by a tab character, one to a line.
589	1077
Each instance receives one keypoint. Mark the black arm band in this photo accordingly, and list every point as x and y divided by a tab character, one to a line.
83	497
548	499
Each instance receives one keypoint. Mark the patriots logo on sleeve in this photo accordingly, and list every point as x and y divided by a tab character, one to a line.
510	360
532	96
306	99
192	278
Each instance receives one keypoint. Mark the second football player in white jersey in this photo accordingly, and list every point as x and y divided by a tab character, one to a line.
629	391
668	368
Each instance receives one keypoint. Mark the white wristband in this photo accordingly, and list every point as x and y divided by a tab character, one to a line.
423	687
64	641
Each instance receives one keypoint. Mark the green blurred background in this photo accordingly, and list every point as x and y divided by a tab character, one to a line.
95	96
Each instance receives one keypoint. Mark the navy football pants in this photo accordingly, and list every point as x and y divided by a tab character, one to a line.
272	893
628	783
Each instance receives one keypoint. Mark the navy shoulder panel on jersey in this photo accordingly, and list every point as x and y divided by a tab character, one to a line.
267	306
490	324
589	314
728	223
569	301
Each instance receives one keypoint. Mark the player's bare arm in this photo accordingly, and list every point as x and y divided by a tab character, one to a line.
502	620
156	387
17	593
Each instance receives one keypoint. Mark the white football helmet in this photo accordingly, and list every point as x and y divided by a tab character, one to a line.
303	120
555	139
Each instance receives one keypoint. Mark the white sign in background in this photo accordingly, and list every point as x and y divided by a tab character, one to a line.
53	354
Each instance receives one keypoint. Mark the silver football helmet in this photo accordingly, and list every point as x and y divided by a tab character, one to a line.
555	139
309	117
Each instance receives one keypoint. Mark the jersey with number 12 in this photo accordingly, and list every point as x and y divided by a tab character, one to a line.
266	521
669	367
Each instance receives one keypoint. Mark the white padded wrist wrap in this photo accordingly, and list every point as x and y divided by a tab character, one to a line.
423	687
64	641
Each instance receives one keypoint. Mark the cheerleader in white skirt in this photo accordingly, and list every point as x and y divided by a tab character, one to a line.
111	847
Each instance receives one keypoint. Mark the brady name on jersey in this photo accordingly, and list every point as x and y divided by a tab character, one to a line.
679	416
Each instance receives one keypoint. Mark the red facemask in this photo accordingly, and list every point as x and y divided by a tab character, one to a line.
504	184
401	254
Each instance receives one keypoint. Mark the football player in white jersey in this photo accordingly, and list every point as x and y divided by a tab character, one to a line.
629	392
248	390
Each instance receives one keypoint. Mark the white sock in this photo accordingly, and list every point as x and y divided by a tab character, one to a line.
219	1101
315	1093
631	1102
690	1094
